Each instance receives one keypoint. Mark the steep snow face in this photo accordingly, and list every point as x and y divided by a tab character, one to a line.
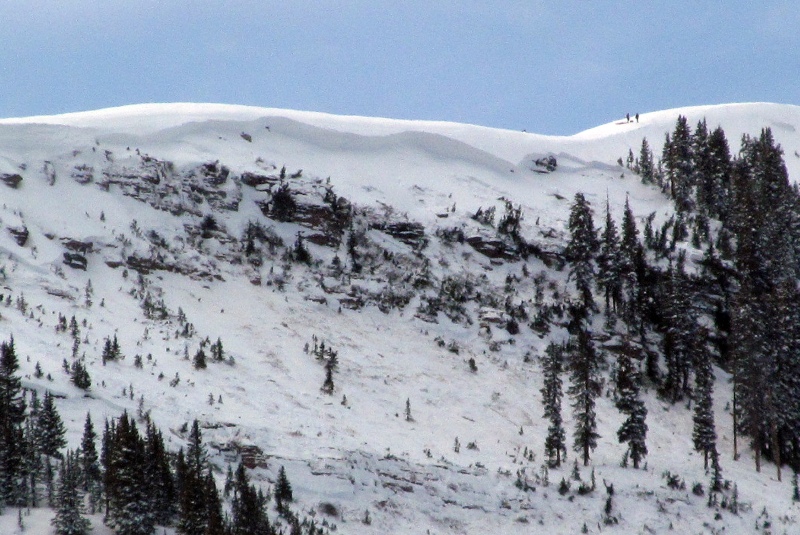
599	144
127	190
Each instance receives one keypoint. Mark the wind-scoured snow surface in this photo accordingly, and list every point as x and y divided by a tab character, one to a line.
360	455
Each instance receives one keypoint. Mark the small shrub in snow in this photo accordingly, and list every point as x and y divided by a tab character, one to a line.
674	481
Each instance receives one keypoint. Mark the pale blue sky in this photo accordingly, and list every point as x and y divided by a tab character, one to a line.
548	66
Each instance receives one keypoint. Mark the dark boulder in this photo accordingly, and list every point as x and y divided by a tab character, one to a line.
20	235
76	246
11	180
75	261
495	249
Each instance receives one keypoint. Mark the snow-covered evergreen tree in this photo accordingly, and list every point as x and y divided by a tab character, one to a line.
609	265
90	467
584	388
680	337
704	432
646	166
50	427
555	445
283	490
581	249
159	475
193	516
69	519
248	514
628	379
679	165
13	480
127	489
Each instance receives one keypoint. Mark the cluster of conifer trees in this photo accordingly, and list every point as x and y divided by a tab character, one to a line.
671	319
134	480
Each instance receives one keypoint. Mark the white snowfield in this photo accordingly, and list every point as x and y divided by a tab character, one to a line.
359	453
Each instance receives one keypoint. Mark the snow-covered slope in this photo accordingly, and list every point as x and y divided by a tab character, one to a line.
126	190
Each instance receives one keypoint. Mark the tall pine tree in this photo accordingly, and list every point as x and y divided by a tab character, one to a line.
51	428
69	519
13	480
704	432
193	518
555	445
609	265
628	379
581	249
679	165
248	514
646	166
90	466
127	487
584	388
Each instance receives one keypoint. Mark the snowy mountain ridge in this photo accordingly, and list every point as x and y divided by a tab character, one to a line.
158	223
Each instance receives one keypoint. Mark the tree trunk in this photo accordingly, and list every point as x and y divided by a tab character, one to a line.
757	446
773	432
735	421
776	448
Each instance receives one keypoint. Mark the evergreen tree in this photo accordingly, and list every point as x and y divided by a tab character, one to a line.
89	462
248	516
216	519
51	428
681	340
701	164
228	482
283	205
180	469
80	375
646	167
609	265
716	188
629	243
555	445
679	165
199	360
581	249
283	490
634	274
32	463
74	329
111	350
331	365
767	267
193	518
628	379
127	487
584	389
785	334
217	353
13	479
69	519
704	433
159	475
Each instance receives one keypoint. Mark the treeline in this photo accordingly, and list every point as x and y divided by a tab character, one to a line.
133	480
666	321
